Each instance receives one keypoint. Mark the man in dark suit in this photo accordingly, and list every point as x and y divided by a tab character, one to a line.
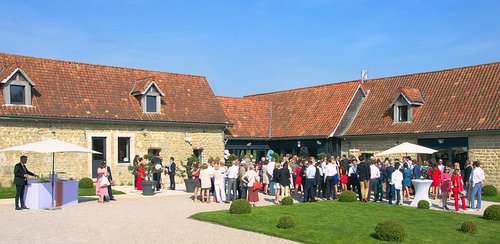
157	176
364	177
171	173
110	178
21	174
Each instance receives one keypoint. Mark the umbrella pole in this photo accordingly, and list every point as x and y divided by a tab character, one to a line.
53	172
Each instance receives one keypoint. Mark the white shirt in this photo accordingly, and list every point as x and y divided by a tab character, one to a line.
351	171
251	176
270	167
397	179
219	174
374	172
211	171
330	170
477	175
232	172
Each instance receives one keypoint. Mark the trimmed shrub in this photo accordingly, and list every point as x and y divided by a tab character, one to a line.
86	183
286	222
423	204
287	201
469	227
348	196
492	212
489	190
240	206
390	230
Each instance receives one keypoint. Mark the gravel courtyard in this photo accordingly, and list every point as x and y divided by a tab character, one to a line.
133	218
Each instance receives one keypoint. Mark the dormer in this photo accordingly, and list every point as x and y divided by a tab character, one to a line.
405	104
149	93
17	85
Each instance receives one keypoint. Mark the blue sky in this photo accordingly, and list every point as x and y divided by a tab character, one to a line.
248	47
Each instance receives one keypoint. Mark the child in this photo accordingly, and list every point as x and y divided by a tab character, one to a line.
343	180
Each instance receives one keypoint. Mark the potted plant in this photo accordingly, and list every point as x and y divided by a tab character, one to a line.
187	172
149	168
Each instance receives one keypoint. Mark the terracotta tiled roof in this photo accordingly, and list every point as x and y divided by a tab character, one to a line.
308	112
412	94
78	90
250	118
460	99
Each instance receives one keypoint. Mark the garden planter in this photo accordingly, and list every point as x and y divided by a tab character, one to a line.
148	187
189	185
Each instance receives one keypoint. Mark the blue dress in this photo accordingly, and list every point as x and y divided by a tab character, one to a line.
407	179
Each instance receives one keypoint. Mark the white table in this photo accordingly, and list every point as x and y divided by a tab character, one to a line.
39	195
421	191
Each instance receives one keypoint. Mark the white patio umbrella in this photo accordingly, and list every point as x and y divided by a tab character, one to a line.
407	147
51	146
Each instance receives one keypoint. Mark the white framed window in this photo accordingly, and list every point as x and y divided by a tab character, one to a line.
123	149
17	88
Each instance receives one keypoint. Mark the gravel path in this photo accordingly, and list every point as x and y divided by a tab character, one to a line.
133	218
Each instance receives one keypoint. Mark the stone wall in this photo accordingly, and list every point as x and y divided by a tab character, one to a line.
79	165
486	149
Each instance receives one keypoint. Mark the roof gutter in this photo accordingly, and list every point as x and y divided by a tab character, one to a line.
113	121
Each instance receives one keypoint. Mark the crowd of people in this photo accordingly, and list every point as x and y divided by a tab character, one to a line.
309	179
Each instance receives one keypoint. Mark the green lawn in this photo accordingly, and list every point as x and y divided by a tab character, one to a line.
491	199
10	192
337	222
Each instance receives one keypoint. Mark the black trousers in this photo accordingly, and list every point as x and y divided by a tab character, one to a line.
309	190
330	189
20	196
172	180
110	193
157	178
373	188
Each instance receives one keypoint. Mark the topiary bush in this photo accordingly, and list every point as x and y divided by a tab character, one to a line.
469	227
86	183
286	222
492	212
489	190
287	201
347	196
240	206
423	204
390	230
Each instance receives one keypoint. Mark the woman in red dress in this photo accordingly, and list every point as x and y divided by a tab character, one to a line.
298	179
140	174
435	174
458	188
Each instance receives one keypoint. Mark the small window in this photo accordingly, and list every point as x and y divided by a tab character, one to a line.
402	113
17	94
151	104
123	149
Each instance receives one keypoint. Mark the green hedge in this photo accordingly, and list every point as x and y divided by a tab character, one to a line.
469	227
347	196
287	201
390	230
286	222
492	212
423	204
86	183
240	206
489	190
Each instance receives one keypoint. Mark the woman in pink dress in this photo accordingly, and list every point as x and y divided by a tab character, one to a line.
101	191
140	174
445	187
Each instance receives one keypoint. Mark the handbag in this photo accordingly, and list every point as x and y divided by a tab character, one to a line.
462	193
104	181
257	185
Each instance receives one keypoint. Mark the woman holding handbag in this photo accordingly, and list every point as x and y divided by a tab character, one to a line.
101	186
251	178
